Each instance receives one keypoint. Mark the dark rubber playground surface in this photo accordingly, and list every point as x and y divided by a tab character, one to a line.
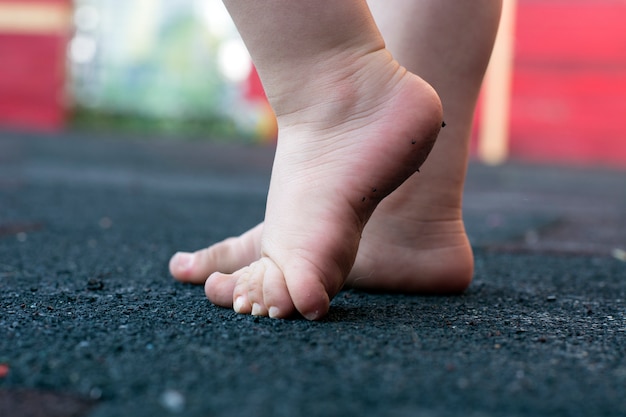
92	325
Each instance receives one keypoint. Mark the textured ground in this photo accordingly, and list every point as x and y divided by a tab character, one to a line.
92	325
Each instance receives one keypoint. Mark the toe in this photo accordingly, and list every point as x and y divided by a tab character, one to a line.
226	256
182	267
239	297
255	282
276	296
219	289
310	297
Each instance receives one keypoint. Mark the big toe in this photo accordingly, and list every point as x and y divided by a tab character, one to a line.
226	256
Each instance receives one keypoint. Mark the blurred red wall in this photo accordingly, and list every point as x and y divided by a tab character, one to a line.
33	38
569	83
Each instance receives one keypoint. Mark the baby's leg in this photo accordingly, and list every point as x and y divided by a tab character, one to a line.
420	225
415	240
353	125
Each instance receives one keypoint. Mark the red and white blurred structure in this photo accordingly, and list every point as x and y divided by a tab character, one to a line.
556	90
558	79
33	39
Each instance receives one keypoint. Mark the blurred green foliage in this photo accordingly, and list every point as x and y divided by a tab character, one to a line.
206	127
155	71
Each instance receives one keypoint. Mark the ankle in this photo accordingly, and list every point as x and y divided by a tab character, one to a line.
335	89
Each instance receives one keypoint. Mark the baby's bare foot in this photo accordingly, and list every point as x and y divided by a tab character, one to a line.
334	164
407	246
399	252
411	245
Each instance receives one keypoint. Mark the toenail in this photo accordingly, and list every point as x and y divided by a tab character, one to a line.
238	304
184	260
256	309
274	312
312	316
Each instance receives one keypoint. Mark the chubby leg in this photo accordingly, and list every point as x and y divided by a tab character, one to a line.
353	126
448	43
415	240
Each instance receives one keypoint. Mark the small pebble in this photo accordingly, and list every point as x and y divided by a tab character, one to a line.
619	254
95	393
95	284
173	401
105	223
